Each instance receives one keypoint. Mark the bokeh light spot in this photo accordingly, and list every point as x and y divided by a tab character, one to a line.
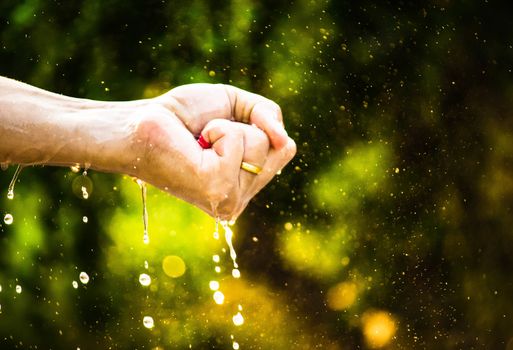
342	295
378	328
173	266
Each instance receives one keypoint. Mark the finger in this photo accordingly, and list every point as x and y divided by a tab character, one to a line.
267	116
255	109
275	162
256	148
228	145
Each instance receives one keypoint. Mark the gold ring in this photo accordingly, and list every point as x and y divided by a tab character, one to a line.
251	168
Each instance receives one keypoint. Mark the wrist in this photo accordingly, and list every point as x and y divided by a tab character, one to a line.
100	135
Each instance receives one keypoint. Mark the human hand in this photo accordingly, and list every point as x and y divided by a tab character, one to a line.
211	179
197	104
257	152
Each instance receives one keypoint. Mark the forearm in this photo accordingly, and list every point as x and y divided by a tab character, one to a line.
40	127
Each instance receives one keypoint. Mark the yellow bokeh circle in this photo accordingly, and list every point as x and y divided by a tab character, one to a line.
173	266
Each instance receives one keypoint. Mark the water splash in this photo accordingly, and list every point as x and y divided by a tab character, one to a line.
142	186
214	285
228	236
10	189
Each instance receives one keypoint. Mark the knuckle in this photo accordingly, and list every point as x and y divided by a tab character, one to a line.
290	149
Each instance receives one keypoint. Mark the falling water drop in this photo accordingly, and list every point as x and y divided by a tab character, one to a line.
144	279
236	273
75	168
218	297
146	264
235	345
85	219
148	322
213	285
216	229
74	284
84	277
8	219
10	189
18	289
228	235
142	185
85	194
238	319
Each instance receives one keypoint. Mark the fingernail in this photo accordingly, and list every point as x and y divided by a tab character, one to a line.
204	143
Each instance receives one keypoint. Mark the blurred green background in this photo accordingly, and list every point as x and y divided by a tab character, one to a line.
392	227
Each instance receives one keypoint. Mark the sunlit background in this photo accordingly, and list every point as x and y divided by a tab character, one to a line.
391	229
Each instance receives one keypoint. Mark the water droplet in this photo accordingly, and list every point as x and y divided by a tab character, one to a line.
85	219
144	279
216	258
74	284
236	273
235	345
84	277
8	219
217	269
214	285
142	186
218	297
82	186
0	288
146	264
18	289
238	319
148	322
75	168
85	195
10	189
